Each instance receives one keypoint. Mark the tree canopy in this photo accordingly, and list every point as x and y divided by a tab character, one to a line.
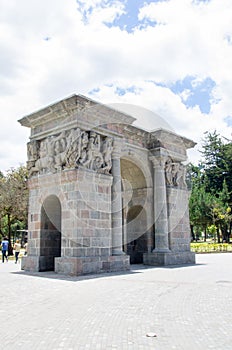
211	198
13	201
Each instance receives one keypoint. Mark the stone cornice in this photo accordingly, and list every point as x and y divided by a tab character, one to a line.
81	107
163	135
78	111
164	153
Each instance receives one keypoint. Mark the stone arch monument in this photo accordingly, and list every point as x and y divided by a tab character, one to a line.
103	193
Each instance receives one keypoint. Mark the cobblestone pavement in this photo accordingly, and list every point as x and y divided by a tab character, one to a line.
187	308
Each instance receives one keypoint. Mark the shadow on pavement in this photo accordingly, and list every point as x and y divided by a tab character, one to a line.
134	269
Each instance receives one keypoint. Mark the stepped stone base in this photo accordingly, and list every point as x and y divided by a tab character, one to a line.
37	263
168	258
85	265
76	266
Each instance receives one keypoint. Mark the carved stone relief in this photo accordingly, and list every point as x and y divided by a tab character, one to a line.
175	173
70	149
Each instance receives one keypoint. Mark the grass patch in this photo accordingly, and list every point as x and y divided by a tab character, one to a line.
210	247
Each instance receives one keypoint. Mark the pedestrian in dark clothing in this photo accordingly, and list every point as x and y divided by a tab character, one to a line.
5	245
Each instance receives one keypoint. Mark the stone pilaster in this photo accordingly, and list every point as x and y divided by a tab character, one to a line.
116	200
150	239
163	254
160	204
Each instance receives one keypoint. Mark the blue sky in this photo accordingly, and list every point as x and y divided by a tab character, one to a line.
129	20
172	57
199	93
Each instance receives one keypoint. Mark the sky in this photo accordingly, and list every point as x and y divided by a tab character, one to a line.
170	57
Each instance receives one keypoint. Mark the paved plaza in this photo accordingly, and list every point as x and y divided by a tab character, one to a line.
186	308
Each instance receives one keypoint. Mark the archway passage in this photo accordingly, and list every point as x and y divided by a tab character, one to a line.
134	198
136	240
50	237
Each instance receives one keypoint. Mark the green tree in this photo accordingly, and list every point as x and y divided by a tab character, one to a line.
199	202
211	197
217	163
13	200
222	214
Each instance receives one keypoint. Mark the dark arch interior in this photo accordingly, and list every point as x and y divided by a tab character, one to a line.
50	246
134	190
136	244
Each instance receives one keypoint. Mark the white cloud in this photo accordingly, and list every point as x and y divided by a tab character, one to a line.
185	94
97	12
48	51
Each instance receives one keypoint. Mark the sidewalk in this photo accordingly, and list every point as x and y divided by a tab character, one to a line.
187	308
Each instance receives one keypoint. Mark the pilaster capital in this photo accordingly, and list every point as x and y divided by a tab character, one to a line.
159	157
117	148
158	161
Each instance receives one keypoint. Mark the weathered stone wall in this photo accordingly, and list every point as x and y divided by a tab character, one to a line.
85	199
178	214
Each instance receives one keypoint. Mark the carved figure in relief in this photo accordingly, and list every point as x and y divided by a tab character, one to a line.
107	149
32	150
181	176
73	148
60	151
32	155
81	158
175	174
97	158
175	169
46	162
42	162
169	171
90	156
89	153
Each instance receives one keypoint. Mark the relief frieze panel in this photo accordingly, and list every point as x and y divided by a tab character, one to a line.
70	149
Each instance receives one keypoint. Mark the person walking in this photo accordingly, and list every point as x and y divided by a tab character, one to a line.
4	245
25	246
17	247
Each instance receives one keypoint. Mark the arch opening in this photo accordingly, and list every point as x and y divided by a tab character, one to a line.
50	233
136	244
134	203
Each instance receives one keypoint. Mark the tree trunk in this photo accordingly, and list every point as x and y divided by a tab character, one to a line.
218	235
225	234
230	229
1	233
192	233
10	249
205	233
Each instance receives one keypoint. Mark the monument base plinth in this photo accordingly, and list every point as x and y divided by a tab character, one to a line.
36	263
168	258
76	266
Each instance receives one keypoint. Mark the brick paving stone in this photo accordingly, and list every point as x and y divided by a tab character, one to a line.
187	307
